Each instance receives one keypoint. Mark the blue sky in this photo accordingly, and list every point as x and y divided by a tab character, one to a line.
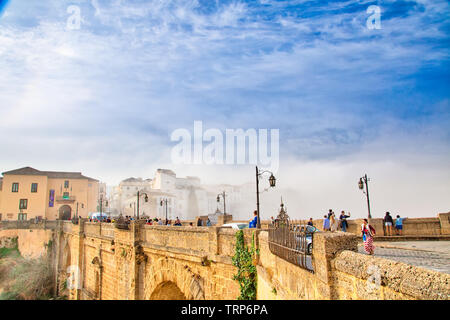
104	99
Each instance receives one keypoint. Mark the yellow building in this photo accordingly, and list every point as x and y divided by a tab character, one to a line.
28	193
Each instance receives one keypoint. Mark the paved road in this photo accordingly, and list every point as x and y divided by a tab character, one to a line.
438	260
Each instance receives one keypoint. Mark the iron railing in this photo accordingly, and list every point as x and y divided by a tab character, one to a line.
292	241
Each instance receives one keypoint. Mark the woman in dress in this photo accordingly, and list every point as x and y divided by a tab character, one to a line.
333	222
367	234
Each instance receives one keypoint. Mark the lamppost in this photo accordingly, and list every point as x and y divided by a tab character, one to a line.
133	205
218	200
364	181
164	201
139	194
272	182
82	206
101	205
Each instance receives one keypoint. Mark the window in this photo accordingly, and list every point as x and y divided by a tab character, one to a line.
66	184
15	187
34	187
65	195
23	204
22	216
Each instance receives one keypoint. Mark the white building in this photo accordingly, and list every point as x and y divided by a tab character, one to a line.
186	197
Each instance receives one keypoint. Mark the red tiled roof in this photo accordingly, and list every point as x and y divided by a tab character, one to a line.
28	171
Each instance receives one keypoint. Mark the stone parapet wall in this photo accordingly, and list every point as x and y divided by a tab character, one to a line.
29	224
411	226
355	276
151	262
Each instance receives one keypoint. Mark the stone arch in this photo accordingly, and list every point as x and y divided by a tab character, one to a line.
168	276
65	212
167	290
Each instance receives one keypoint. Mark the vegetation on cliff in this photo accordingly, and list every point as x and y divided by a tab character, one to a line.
22	279
246	273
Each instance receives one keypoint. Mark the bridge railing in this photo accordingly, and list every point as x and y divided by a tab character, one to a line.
92	228
27	224
189	238
107	230
292	241
67	226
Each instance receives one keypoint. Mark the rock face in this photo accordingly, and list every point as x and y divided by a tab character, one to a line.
8	242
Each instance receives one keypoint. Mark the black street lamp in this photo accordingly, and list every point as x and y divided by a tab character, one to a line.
139	194
218	200
101	200
364	181
272	182
164	201
82	206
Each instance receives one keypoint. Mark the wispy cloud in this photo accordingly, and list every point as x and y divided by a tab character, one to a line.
107	96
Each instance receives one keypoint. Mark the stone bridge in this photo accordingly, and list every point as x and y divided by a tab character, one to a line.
177	263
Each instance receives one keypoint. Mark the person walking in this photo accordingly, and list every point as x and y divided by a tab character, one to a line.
388	222
343	220
399	225
208	223
368	232
326	223
254	222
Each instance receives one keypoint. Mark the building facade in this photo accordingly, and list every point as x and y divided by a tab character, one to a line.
28	193
187	198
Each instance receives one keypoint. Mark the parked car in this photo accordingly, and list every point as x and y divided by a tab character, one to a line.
309	231
236	225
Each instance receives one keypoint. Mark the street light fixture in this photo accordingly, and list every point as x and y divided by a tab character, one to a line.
218	200
161	203
139	194
364	181
272	182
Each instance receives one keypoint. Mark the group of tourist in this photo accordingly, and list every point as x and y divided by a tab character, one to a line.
330	223
389	222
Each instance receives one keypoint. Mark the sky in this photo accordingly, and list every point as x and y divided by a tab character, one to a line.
348	100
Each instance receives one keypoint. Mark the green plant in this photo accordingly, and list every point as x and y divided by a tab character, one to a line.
246	273
274	291
9	252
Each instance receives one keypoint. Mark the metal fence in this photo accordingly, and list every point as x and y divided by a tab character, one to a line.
292	241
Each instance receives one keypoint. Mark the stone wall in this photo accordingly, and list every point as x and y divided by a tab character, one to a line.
342	274
411	226
355	276
162	262
32	243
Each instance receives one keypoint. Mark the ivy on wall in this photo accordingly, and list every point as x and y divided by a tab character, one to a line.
246	273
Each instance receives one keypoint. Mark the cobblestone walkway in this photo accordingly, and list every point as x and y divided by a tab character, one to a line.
437	261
